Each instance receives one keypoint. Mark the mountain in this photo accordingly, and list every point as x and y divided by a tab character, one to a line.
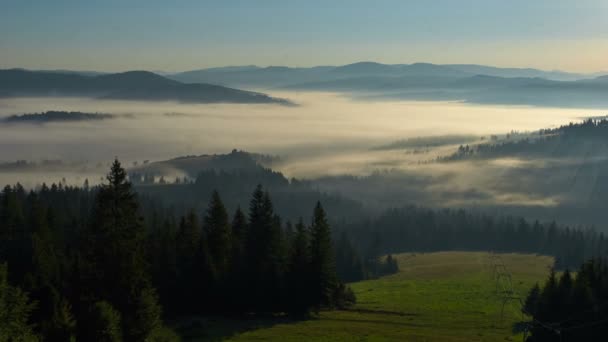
421	81
600	79
132	85
369	68
281	77
516	72
254	77
286	77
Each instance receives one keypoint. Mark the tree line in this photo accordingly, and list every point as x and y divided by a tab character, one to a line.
84	264
414	229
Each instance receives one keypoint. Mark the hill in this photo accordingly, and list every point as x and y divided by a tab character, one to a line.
131	85
191	166
55	116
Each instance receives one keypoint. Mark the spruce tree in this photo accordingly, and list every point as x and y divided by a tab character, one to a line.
187	297
105	323
114	267
323	270
15	310
299	271
265	260
217	229
238	282
239	234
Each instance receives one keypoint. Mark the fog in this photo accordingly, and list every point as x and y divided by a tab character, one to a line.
324	135
321	125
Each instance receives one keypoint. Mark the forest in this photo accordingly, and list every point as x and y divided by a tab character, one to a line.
571	306
561	142
83	264
107	263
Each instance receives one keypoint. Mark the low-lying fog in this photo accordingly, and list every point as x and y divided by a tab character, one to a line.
323	124
325	135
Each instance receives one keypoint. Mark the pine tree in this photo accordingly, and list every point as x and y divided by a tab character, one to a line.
114	267
146	321
323	271
265	261
187	297
239	235
15	310
43	281
238	282
299	271
217	229
105	323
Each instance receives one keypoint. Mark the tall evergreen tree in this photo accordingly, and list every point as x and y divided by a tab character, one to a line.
239	235
217	229
238	281
264	254
323	269
299	271
189	278
114	267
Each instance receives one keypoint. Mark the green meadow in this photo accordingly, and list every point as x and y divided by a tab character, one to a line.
445	296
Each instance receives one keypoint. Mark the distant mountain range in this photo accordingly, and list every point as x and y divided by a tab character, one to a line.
279	76
132	85
421	81
365	80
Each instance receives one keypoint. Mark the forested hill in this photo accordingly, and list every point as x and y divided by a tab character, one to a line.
186	182
587	138
132	85
55	116
190	166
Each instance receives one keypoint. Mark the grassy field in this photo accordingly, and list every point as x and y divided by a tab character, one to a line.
447	296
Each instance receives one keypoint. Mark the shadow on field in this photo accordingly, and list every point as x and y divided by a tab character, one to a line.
519	327
217	328
375	321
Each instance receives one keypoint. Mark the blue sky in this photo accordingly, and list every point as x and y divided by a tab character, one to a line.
179	35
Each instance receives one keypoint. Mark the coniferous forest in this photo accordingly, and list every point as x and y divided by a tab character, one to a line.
570	306
103	263
82	264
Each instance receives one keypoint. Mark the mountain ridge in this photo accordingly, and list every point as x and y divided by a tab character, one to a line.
130	85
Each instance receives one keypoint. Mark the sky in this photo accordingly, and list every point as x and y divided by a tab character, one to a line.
119	35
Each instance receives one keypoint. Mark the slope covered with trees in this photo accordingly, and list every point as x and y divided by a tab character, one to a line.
589	137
